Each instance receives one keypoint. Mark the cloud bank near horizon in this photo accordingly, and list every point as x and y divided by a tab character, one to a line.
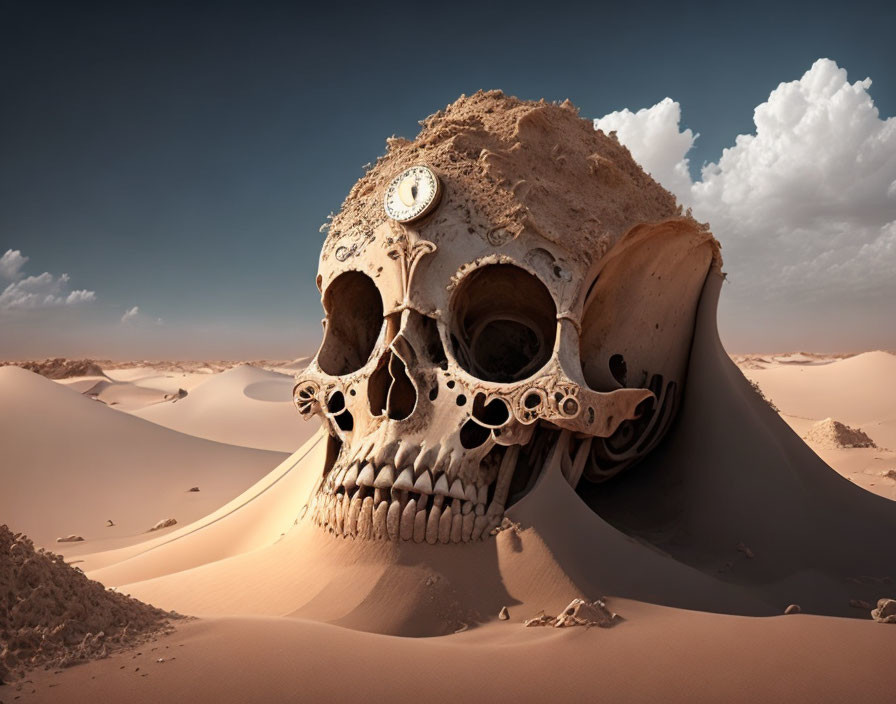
41	291
805	208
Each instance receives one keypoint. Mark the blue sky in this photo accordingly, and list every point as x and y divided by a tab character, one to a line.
181	158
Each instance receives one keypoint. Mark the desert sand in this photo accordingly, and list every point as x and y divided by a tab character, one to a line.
854	390
742	566
267	632
70	464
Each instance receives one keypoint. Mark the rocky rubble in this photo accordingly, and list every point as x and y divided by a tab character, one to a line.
52	615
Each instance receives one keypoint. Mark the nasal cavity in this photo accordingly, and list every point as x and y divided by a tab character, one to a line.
402	393
390	390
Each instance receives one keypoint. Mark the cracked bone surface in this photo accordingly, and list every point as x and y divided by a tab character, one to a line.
541	311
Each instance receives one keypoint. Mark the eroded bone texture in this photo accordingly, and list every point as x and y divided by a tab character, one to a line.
542	312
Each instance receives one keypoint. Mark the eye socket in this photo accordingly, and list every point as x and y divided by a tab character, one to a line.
354	310
503	323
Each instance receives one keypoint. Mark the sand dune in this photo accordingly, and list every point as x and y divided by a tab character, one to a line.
241	406
71	463
856	391
656	655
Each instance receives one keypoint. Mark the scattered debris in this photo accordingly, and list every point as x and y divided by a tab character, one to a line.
885	611
793	609
506	524
833	434
194	488
109	523
579	613
890	474
70	539
504	614
860	604
163	524
746	551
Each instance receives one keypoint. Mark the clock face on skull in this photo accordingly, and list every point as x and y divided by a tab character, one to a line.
412	194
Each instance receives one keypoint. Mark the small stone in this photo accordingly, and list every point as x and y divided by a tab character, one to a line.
746	551
164	524
504	614
885	611
793	609
195	488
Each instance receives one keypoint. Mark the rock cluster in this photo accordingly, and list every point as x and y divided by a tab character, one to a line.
61	368
832	433
579	613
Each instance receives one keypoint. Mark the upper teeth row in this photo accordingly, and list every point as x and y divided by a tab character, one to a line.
384	478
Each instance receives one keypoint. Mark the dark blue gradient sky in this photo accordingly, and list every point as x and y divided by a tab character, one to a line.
182	157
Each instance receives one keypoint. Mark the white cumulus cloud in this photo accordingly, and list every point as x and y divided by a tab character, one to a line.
11	264
42	291
130	314
653	137
806	206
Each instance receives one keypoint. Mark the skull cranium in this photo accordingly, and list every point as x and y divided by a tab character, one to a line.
506	328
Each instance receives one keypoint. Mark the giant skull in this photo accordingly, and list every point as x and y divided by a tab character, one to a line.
526	295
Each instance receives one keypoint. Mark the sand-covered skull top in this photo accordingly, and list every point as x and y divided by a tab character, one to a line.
508	289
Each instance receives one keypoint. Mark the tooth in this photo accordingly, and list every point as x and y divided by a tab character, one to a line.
407	520
365	519
505	474
420	527
467	507
467	526
379	521
432	525
366	477
482	495
331	513
445	526
438	500
457	528
405	480
340	475
423	485
385	454
425	458
457	489
441	487
363	451
405	453
479	509
452	469
351	527
493	523
385	478
351	477
495	509
393	520
470	494
340	513
479	527
422	501
442	459
379	495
